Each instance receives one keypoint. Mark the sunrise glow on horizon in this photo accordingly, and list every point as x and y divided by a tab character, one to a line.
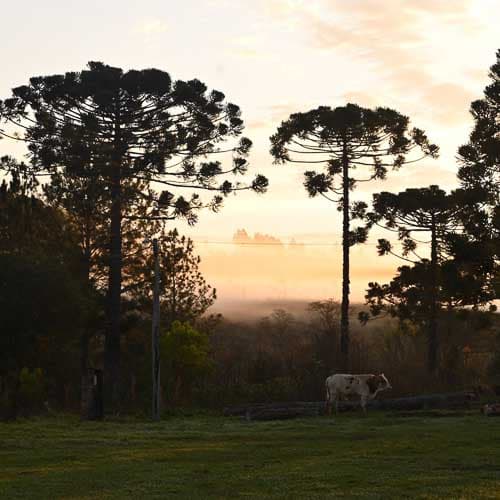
426	59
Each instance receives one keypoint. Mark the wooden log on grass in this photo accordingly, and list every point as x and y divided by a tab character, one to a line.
452	400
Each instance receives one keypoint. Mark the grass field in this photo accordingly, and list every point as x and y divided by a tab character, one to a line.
380	456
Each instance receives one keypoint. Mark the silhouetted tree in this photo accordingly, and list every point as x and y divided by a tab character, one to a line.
418	292
42	300
28	226
185	358
479	174
184	293
85	203
325	315
134	125
343	140
480	158
42	305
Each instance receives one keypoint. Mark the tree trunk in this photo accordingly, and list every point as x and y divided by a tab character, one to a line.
84	366
133	388
67	396
85	338
112	344
155	336
344	318
177	391
433	335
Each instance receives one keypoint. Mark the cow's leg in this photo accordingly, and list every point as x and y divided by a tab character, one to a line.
363	404
336	404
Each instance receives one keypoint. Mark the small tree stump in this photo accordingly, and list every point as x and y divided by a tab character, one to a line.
91	402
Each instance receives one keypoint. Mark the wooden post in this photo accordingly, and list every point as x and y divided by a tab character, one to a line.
92	405
155	336
433	340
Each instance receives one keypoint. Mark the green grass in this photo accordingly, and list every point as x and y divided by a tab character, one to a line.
380	456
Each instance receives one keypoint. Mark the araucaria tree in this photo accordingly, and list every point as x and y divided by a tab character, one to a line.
352	144
86	205
417	292
480	157
132	126
479	173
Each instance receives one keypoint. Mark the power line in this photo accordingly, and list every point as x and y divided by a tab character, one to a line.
271	244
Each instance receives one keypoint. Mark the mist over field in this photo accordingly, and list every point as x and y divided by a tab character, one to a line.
259	269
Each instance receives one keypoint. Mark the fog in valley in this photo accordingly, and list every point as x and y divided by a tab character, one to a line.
256	273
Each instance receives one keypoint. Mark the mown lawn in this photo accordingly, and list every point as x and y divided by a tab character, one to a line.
380	456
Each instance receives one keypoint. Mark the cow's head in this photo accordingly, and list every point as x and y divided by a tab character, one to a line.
383	383
378	383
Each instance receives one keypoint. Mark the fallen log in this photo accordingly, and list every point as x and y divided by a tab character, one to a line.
281	413
431	401
454	400
237	411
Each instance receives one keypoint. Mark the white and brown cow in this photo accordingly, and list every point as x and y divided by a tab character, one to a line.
365	386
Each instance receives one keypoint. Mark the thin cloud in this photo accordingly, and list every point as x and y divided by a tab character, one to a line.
393	36
449	102
362	98
151	27
259	124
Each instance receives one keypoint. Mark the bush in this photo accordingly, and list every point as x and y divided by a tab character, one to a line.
32	391
184	358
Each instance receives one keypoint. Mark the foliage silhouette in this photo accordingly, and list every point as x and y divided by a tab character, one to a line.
184	294
343	140
132	126
479	174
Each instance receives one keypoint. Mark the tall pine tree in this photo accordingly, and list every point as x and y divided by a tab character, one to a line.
132	126
353	145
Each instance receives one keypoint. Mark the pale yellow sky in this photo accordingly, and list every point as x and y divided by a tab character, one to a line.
426	58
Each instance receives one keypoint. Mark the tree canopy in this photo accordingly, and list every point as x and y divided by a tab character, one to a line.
480	157
479	174
353	144
156	127
431	217
130	129
184	293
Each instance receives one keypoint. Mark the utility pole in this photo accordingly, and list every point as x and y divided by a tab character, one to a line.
155	335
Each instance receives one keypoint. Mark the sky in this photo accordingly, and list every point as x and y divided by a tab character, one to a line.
428	59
